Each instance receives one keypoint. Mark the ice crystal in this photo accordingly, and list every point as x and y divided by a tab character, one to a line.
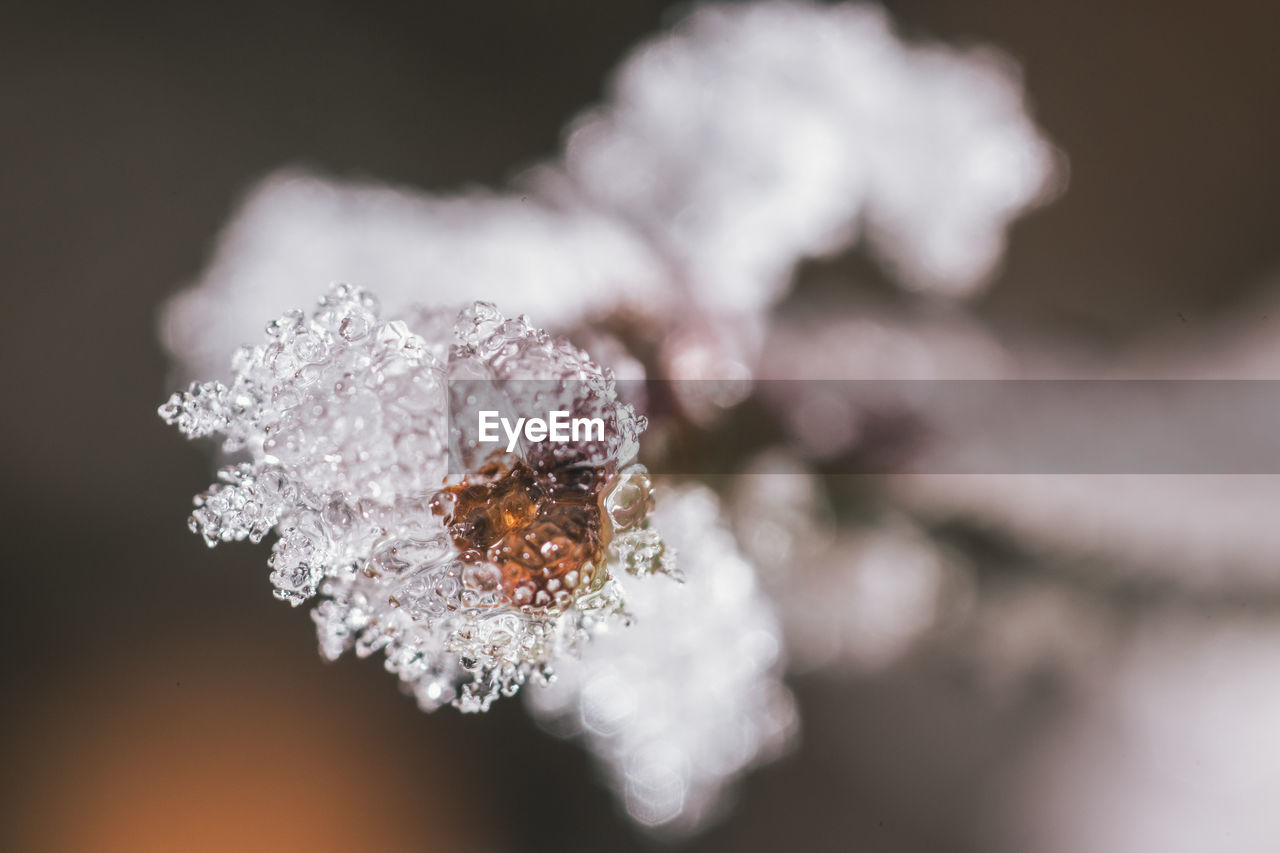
557	262
689	696
471	569
757	134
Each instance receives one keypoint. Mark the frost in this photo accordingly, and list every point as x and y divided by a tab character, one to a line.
471	572
751	137
755	135
688	697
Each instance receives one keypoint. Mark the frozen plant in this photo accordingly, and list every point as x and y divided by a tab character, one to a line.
727	151
471	569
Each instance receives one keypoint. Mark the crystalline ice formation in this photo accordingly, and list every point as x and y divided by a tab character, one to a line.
471	571
758	134
529	255
750	138
689	696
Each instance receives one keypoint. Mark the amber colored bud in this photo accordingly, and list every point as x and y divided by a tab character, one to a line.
541	539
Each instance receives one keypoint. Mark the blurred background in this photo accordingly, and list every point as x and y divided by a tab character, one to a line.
159	698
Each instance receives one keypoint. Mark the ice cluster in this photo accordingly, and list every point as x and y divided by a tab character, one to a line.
689	696
556	262
755	135
470	570
749	138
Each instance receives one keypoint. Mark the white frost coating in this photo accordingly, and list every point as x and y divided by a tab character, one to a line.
681	702
756	135
345	419
294	230
752	137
